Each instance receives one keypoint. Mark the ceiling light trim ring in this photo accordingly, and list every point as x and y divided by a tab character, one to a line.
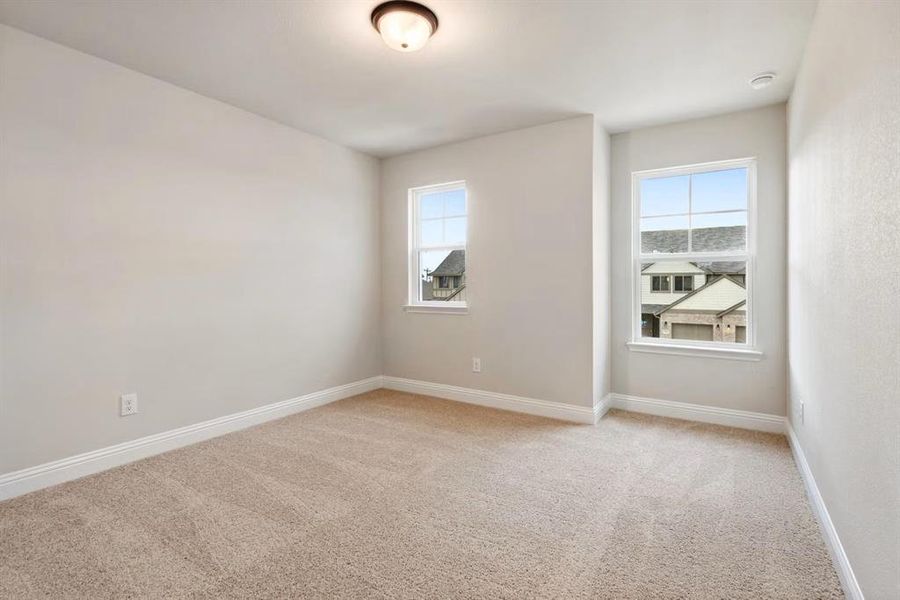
404	5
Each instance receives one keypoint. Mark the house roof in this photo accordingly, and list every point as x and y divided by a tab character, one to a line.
720	267
706	239
703	287
732	308
652	308
454	264
723	267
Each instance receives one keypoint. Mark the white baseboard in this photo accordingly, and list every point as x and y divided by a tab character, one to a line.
56	472
602	407
698	412
59	471
531	406
841	562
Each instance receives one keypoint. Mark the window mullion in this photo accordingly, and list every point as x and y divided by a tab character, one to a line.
690	210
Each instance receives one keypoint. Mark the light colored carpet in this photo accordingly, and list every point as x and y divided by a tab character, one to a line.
390	495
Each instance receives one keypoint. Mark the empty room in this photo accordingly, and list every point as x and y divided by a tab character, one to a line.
473	299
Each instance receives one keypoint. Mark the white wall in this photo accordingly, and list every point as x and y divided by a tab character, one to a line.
843	279
529	265
158	242
754	386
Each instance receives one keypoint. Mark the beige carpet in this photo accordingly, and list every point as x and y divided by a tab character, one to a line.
390	495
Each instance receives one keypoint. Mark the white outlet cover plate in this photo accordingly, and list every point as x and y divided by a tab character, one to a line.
128	404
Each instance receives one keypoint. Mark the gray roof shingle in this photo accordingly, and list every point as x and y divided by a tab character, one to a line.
454	264
706	239
721	267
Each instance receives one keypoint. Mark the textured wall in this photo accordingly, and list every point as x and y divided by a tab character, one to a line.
754	386
529	267
844	236
158	242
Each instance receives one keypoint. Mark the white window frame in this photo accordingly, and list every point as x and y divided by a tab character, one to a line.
414	304
736	351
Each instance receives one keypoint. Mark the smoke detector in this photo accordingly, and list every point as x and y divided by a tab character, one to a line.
762	80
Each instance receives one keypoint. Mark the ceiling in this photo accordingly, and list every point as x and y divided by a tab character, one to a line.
492	66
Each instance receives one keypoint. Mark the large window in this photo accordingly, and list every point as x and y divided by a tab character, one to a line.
438	233
694	254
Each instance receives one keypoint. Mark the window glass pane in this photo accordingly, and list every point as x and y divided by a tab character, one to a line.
431	206
715	311
455	231
432	232
719	232
719	190
664	195
442	275
664	234
454	203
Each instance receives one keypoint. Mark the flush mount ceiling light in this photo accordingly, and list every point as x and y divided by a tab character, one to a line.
404	26
762	80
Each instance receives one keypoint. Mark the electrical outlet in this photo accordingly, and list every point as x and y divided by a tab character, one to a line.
802	415
128	404
476	365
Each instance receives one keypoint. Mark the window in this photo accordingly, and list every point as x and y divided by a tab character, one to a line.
437	239
693	256
660	283
683	283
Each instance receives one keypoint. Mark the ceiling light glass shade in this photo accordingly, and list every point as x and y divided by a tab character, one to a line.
404	26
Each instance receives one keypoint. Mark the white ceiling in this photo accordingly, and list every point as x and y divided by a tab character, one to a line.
492	66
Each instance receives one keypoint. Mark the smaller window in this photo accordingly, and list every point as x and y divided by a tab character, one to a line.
660	283
438	234
683	283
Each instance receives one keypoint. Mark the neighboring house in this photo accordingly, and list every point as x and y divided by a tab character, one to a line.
694	300
700	315
448	281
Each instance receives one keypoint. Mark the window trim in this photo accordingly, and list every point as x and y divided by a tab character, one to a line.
414	304
636	341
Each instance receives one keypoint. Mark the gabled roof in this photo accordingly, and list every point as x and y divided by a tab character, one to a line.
703	287
454	264
732	308
706	239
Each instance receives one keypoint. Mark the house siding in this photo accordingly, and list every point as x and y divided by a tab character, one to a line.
717	297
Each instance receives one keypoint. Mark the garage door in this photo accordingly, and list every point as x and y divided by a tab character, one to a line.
740	334
692	331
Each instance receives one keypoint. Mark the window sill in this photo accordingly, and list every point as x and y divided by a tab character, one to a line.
745	354
436	309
